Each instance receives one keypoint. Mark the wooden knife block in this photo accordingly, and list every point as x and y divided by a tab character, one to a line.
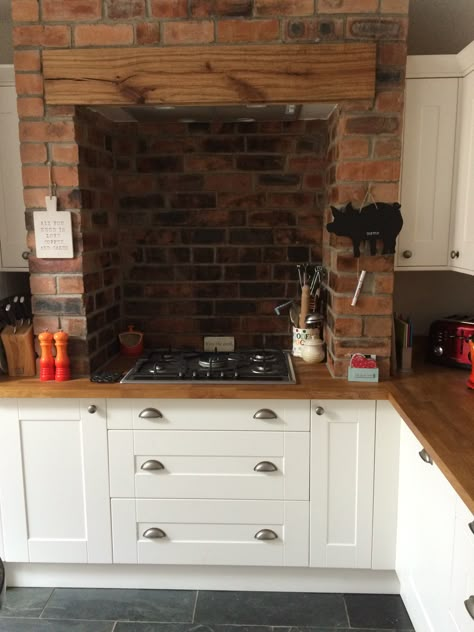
20	351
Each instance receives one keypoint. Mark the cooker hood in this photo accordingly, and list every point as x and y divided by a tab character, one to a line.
205	113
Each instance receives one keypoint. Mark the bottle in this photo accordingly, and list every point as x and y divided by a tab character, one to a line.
63	371
46	360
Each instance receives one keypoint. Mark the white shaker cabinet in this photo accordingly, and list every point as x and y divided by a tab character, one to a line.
54	493
462	242
426	518
461	598
12	209
342	483
427	172
209	481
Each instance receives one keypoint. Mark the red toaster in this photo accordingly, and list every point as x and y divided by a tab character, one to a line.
448	341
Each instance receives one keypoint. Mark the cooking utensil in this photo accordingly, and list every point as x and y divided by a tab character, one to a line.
295	314
304	305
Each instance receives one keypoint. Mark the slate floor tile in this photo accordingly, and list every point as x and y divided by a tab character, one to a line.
43	625
191	627
377	611
271	609
120	604
25	602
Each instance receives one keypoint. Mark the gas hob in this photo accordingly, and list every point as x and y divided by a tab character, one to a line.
254	366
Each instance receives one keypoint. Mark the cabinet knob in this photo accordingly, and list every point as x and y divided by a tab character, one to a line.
154	533
319	410
471	526
424	456
407	254
454	254
265	413
152	464
25	254
469	603
150	413
266	534
92	409
265	466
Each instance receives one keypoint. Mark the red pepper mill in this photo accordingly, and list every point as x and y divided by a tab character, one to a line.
46	360
63	371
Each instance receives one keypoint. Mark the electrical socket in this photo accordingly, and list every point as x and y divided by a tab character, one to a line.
221	343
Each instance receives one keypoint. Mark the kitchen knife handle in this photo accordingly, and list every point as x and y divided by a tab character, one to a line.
304	306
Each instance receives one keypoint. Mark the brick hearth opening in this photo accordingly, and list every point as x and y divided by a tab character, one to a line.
194	228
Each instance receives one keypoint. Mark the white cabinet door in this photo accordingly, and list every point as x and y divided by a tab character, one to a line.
12	209
425	537
54	493
342	482
462	583
463	216
427	172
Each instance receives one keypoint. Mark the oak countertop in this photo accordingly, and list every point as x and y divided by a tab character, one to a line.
435	402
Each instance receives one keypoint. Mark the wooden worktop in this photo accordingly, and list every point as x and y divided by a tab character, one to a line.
435	402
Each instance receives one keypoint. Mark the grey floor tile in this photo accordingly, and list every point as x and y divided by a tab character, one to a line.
25	602
190	627
386	612
271	609
106	604
43	625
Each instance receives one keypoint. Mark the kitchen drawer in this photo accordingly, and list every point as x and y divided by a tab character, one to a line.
210	532
204	414
209	464
462	575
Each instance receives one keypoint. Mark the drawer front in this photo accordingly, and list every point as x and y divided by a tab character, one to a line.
210	532
233	465
205	414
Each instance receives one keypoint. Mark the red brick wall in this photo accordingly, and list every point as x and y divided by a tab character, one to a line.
365	149
213	219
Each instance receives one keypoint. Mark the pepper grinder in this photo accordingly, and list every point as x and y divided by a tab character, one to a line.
63	371
46	360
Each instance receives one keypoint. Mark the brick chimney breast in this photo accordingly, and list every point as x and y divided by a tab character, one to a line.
185	229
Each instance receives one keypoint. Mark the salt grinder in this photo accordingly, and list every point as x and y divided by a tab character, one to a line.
46	361
63	371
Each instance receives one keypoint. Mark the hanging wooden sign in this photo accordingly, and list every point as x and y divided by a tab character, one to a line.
53	231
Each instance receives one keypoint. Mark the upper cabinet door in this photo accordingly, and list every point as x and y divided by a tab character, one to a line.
427	172
12	208
462	245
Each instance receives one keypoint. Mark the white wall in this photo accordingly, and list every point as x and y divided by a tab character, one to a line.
440	27
427	296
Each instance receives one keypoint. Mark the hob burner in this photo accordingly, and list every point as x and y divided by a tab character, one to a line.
253	366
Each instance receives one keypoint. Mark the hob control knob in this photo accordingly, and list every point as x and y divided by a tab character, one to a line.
222	375
181	374
194	375
208	374
236	375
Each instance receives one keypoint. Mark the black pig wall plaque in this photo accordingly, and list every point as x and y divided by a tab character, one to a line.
376	221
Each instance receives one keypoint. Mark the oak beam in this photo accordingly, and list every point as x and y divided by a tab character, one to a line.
210	75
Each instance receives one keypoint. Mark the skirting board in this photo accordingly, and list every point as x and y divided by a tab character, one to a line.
202	578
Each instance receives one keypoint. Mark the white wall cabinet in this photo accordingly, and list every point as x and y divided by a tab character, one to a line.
54	493
437	182
427	172
12	209
462	242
